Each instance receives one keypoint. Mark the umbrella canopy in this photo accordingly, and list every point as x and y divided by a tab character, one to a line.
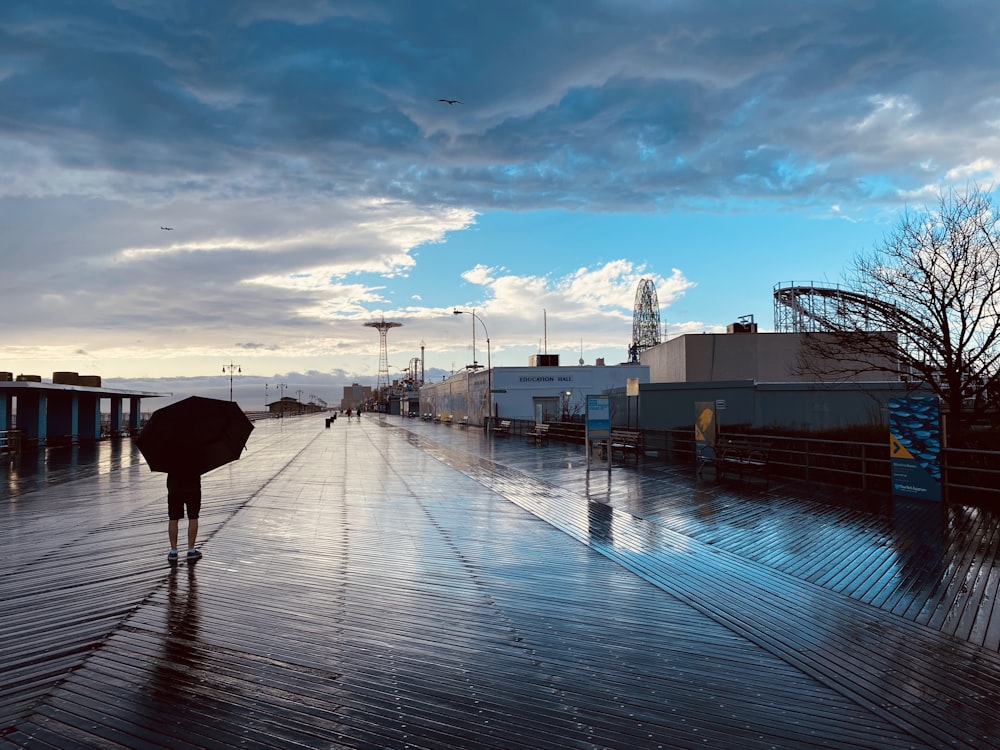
194	435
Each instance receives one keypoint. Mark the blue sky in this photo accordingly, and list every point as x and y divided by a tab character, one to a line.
314	183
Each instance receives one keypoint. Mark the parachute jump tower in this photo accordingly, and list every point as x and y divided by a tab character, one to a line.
382	383
645	320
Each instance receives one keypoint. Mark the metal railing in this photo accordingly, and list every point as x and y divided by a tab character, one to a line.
11	442
972	475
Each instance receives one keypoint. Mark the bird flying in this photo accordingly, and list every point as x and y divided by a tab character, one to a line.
450	101
169	229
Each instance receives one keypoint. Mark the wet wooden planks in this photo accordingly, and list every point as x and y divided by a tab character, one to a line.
418	609
83	555
933	566
863	652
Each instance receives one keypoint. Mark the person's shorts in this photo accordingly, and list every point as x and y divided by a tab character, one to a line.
183	491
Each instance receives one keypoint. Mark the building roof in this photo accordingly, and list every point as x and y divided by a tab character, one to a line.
21	386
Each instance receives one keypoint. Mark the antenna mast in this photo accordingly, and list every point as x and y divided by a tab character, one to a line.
545	330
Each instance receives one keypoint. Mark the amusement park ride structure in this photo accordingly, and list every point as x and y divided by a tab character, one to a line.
807	307
382	384
645	320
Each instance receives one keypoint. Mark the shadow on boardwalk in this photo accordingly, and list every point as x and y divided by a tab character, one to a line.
401	584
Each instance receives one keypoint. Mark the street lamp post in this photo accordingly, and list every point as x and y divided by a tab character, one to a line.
231	368
489	364
281	398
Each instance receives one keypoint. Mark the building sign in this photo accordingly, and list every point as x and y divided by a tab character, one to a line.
915	447
631	386
598	417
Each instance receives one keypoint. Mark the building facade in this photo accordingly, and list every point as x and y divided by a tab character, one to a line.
740	404
289	405
760	357
758	380
542	394
355	396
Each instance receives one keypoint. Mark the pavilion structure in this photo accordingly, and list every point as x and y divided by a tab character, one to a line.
60	413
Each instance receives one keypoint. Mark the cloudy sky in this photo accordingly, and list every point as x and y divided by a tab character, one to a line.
314	182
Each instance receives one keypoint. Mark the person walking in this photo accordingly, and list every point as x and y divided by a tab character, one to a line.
183	494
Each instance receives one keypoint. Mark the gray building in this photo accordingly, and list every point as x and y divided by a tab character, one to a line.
744	403
748	355
761	380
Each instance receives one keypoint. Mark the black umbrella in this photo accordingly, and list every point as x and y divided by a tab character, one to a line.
195	435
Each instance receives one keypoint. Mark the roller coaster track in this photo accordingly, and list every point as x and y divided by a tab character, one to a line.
800	308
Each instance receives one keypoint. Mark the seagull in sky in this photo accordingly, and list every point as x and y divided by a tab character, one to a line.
169	229
450	101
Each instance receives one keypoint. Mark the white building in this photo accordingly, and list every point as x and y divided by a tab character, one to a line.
541	393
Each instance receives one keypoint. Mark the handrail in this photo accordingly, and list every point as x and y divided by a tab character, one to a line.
11	441
862	465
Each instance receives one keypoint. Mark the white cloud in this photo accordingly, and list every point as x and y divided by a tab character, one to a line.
983	169
312	179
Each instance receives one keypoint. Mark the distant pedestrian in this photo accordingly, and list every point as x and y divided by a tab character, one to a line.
183	493
348	415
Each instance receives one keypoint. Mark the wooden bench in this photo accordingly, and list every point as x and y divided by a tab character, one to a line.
463	422
539	435
503	428
626	443
745	459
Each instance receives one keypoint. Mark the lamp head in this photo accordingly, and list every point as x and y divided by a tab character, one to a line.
456	312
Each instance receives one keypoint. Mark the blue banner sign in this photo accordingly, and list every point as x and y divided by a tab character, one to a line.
915	447
598	417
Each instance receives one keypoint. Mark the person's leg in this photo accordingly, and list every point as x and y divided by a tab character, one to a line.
175	509
193	512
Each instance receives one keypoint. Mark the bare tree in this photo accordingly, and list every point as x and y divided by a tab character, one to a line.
934	282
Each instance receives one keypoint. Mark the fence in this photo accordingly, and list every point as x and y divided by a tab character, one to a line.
971	475
11	442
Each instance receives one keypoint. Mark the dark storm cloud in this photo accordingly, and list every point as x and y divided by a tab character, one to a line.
596	103
300	153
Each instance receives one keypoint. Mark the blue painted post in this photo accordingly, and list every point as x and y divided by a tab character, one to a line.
90	417
61	416
32	416
6	410
116	416
135	413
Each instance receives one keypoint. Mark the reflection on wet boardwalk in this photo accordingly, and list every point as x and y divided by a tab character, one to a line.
399	584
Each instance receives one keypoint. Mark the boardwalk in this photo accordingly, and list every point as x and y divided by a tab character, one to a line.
391	584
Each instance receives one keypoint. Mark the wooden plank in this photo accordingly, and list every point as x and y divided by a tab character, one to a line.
486	600
873	683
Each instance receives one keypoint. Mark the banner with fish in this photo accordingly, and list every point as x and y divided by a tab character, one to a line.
915	447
